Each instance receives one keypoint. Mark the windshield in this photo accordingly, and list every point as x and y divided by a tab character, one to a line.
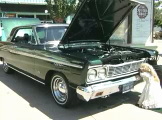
50	35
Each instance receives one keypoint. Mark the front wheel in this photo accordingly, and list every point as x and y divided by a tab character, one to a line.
62	93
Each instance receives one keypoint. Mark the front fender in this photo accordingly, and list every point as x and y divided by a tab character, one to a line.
153	55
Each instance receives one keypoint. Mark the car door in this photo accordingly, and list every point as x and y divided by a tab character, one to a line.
23	50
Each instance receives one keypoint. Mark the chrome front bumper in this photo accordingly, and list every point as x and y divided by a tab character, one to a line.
106	88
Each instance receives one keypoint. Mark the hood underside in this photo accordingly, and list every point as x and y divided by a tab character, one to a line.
96	20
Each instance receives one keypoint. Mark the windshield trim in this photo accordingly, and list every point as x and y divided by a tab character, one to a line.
49	36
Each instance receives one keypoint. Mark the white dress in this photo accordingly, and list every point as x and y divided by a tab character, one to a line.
151	96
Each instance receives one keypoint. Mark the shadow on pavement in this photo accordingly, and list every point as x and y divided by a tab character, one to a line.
158	110
158	69
40	97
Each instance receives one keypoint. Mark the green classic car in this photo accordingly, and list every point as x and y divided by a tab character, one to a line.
77	60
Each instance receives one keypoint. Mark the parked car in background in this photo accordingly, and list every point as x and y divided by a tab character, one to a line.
157	34
7	24
77	60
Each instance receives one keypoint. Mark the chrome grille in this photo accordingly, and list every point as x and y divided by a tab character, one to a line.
118	70
115	70
111	71
126	68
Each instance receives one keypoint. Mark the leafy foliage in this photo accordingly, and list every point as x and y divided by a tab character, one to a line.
60	9
157	15
157	4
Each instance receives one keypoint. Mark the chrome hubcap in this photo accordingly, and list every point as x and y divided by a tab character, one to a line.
5	66
59	89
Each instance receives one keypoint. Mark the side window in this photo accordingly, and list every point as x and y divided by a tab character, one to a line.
41	35
24	36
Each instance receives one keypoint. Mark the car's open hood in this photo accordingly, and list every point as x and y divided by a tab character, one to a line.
97	20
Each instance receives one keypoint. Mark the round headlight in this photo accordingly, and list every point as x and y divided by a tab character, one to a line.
92	74
102	73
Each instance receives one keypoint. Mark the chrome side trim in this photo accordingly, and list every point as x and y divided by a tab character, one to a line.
46	59
59	62
27	75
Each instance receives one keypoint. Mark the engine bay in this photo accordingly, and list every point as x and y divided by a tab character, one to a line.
111	54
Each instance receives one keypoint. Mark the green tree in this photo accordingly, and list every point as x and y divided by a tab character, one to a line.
157	15
157	4
60	9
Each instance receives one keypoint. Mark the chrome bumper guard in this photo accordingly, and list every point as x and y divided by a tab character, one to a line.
105	89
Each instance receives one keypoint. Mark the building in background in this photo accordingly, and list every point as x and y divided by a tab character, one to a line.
24	9
142	24
136	30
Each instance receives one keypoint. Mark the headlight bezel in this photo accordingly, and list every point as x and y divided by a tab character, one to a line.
101	74
90	74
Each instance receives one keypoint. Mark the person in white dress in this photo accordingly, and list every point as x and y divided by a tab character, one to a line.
151	96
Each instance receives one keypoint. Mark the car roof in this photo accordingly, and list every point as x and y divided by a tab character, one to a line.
42	25
37	25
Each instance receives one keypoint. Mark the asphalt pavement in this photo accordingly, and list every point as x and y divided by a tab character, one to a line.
21	98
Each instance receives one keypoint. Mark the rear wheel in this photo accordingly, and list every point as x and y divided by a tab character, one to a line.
62	93
6	68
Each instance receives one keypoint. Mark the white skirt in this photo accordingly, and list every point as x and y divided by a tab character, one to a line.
151	96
